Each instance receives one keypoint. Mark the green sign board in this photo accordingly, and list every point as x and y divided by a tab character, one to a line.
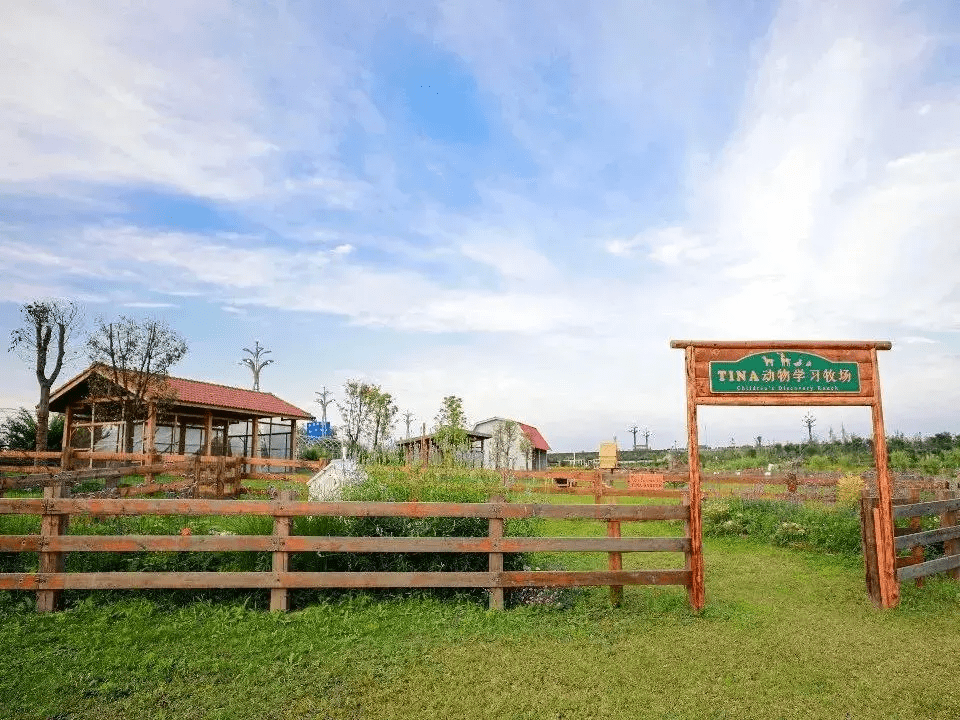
784	371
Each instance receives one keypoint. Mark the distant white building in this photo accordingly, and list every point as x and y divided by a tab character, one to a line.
522	449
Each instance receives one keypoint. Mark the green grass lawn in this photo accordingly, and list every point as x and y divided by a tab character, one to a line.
786	633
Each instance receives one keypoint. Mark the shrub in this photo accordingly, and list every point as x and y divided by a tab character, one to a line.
849	490
833	529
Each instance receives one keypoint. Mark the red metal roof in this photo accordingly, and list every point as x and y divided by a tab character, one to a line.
534	436
259	403
197	392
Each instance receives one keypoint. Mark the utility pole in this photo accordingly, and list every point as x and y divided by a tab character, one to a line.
408	418
634	429
255	363
809	420
323	401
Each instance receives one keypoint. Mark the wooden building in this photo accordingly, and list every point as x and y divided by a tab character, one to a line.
425	450
178	416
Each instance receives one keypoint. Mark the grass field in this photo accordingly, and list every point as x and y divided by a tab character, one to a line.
786	633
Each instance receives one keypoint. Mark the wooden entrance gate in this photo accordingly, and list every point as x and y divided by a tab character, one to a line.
773	373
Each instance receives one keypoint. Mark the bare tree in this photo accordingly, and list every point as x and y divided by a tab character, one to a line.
634	429
526	449
255	363
46	322
501	444
323	402
408	417
809	420
135	359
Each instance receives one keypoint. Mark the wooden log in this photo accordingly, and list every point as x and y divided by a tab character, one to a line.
930	567
30	455
906	560
928	537
495	560
761	345
71	476
696	592
615	563
889	587
213	580
934	507
106	506
799	400
916	551
51	562
321	543
886	558
869	543
280	596
605	492
948	526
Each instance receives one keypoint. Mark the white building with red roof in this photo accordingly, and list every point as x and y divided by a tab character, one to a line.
521	448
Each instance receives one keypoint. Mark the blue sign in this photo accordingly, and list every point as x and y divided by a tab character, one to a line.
319	430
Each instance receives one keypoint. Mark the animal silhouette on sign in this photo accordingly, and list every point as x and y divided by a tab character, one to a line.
767	361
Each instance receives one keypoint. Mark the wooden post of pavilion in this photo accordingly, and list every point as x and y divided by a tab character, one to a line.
208	433
67	432
150	439
255	441
293	439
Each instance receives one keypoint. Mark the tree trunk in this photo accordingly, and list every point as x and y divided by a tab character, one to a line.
43	418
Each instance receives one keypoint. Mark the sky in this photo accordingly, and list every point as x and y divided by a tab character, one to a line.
517	202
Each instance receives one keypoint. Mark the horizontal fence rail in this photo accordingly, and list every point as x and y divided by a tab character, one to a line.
52	543
109	506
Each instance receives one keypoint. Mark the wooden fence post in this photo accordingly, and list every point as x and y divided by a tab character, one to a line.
615	561
916	552
51	525
949	519
495	533
280	596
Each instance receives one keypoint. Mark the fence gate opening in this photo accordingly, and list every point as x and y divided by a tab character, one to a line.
772	373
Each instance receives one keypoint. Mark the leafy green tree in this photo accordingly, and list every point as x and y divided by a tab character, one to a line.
18	431
382	417
45	338
450	432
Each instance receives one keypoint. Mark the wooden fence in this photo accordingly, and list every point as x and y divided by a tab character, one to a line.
55	509
208	476
673	484
912	539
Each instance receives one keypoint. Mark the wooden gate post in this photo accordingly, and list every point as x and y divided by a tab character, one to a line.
51	525
696	591
280	596
869	543
886	556
495	566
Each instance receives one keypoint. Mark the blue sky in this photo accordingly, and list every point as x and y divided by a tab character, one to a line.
520	203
